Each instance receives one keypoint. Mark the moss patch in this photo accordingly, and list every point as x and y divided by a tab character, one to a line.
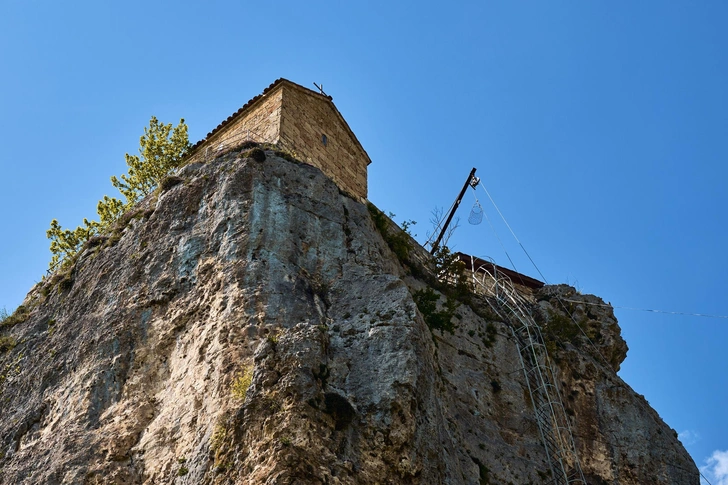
242	383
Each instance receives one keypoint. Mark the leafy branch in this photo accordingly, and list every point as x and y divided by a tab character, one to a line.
162	148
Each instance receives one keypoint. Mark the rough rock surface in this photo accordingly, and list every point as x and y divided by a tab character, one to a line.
134	367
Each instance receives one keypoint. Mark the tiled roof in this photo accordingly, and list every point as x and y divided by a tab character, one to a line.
267	90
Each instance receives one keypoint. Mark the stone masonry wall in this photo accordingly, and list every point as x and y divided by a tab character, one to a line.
296	120
261	123
308	116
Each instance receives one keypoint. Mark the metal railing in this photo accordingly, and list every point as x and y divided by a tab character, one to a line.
551	416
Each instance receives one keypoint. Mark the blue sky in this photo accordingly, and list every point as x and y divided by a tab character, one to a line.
599	129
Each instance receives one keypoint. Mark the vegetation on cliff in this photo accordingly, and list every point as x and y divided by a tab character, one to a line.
254	325
162	148
447	276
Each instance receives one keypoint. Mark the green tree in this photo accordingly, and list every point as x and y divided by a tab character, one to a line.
109	210
162	148
66	243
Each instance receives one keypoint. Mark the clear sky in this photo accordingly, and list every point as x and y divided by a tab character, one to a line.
599	128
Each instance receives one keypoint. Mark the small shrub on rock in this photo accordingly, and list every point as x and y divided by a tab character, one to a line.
400	242
94	241
286	156
169	182
66	283
19	316
7	344
441	320
247	145
256	154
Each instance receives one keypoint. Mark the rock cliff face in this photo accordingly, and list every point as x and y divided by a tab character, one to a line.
250	325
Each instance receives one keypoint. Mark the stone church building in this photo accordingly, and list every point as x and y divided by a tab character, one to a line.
305	123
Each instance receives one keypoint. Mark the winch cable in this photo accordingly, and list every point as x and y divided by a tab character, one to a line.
561	301
558	298
665	312
513	233
499	241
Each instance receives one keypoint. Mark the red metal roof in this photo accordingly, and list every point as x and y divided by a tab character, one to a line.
515	277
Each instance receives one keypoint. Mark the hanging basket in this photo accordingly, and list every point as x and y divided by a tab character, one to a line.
476	214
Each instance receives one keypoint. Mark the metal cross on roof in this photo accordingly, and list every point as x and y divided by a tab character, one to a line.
320	88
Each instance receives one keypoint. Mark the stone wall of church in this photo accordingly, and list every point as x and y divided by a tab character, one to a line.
313	130
261	123
304	123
